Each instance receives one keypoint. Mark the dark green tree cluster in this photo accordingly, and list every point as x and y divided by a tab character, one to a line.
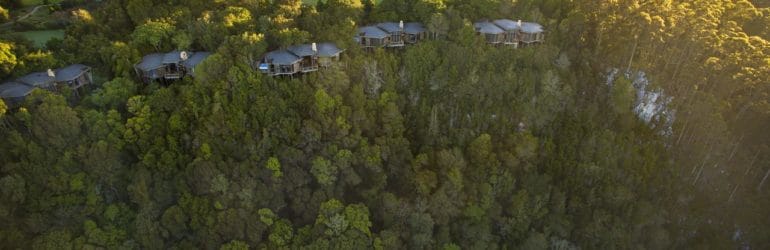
448	144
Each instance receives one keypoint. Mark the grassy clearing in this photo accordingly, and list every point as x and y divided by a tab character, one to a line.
40	37
38	2
313	2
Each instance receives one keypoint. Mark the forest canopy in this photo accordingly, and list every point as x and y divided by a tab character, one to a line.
636	124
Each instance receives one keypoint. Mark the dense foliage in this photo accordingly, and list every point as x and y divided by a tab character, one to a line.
449	144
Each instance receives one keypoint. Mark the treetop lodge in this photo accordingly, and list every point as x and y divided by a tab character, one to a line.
74	77
296	59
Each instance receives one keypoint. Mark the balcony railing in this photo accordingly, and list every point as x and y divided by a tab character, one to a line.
309	68
174	75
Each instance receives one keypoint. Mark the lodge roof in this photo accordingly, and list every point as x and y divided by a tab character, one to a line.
372	32
195	59
14	89
507	24
151	61
328	49
530	27
281	57
71	72
413	28
487	28
37	79
389	27
302	50
172	57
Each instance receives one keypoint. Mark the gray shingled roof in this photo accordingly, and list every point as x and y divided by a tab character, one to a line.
389	27
172	57
195	59
487	28
413	28
71	72
37	79
282	57
507	24
372	32
530	27
328	49
14	89
302	50
150	62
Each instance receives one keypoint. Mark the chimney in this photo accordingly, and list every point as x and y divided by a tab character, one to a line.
51	73
519	22
401	24
314	47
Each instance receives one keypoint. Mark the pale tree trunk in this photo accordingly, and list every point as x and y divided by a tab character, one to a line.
684	131
751	165
735	149
759	187
730	199
680	62
698	176
743	109
633	52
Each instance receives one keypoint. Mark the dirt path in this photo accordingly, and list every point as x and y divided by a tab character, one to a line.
30	13
25	16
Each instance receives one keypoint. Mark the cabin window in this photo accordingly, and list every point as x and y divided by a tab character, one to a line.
395	37
82	79
492	38
527	37
309	62
413	38
171	68
286	68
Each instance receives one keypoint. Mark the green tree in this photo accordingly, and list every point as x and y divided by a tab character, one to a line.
35	61
236	16
114	94
623	95
4	15
139	10
244	48
281	233
275	166
324	171
60	239
54	123
235	245
267	216
121	57
155	34
3	108
8	59
182	40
